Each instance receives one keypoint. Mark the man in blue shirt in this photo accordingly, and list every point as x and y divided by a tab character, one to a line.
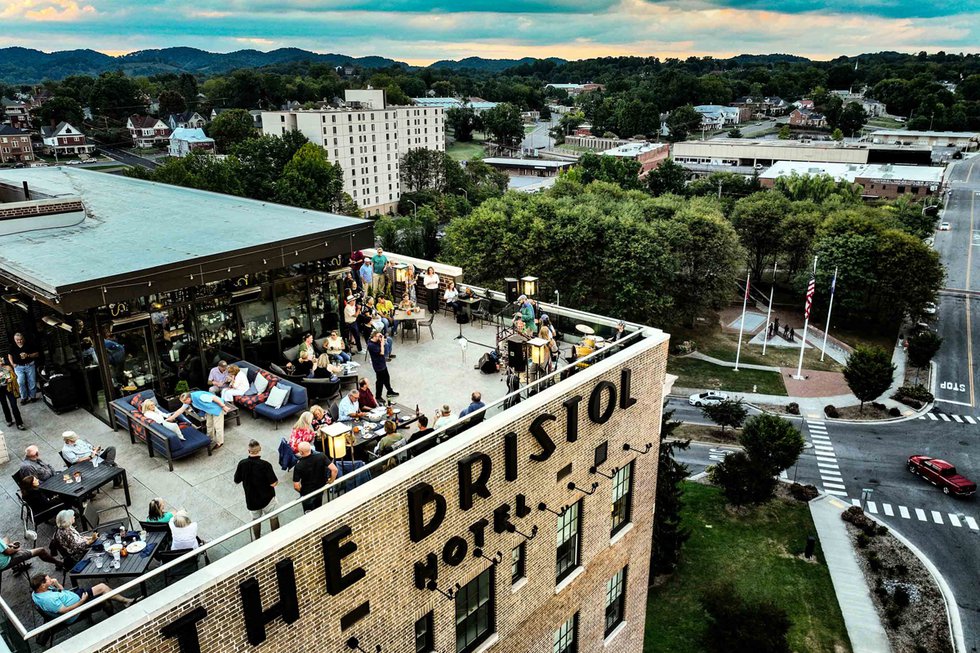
380	350
54	600
476	404
378	262
214	410
367	275
77	450
349	407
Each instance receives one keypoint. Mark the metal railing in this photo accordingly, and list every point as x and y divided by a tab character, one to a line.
351	478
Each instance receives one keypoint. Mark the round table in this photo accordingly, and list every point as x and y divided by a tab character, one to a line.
585	329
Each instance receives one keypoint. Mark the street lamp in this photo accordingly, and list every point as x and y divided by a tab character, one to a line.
415	208
465	194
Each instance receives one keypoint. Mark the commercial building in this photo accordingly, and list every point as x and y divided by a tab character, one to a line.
966	141
174	276
479	105
185	140
63	139
877	181
366	139
575	90
648	155
529	167
595	143
15	145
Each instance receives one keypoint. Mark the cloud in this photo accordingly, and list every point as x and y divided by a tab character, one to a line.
42	11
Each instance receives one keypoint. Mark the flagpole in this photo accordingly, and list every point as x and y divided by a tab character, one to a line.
772	291
830	307
806	324
741	324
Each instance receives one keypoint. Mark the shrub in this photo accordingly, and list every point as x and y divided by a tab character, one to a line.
742	480
880	588
863	541
855	515
874	562
793	408
803	493
917	393
738	625
901	570
877	405
894	412
831	411
881	530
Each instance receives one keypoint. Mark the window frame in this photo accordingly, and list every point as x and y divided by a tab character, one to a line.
490	603
616	606
574	527
567	631
622	506
518	565
428	641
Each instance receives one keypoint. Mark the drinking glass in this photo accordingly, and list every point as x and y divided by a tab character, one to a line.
118	539
99	561
142	536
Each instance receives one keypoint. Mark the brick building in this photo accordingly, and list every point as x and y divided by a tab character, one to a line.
15	145
147	131
648	155
63	139
528	532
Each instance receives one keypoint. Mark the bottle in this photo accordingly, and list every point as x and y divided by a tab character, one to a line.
417	413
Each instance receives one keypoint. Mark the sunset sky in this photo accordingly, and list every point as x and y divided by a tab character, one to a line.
421	32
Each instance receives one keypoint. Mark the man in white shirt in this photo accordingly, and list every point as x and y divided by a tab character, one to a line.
77	450
349	409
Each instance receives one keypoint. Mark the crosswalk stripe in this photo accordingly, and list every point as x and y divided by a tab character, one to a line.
888	509
815	421
904	512
823	455
932	416
828	468
920	417
872	507
831	476
818	431
957	418
814	436
823	448
920	514
972	523
969	419
829	483
856	502
835	492
954	520
937	517
944	417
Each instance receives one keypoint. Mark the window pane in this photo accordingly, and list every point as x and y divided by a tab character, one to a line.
474	612
615	600
622	497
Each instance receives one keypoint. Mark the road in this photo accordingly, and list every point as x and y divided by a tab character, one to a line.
127	158
539	138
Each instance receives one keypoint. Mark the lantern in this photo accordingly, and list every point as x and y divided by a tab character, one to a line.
529	286
401	272
336	435
539	351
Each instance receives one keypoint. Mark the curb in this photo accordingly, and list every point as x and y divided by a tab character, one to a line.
952	610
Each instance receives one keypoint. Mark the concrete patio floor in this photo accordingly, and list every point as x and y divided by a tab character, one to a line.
428	373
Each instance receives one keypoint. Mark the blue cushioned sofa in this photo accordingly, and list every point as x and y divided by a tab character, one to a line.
159	440
296	402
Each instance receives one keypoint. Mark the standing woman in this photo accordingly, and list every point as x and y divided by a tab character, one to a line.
8	396
431	282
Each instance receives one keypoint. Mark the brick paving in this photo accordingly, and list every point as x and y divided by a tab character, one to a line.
816	384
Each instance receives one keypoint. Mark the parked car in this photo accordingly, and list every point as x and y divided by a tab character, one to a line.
944	226
942	474
708	398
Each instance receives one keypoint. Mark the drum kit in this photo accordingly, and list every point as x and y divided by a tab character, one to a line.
590	342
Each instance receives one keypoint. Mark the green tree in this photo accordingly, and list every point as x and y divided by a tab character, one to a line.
231	127
913	218
116	96
730	412
743	480
772	442
922	346
851	119
735	132
615	170
758	219
504	125
682	121
201	171
669	535
60	108
836	135
462	121
568	122
817	188
799	231
171	102
422	169
738	625
869	372
310	181
668	177
262	160
784	133
909	275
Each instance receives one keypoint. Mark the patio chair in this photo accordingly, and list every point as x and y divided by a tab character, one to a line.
409	325
183	569
482	312
428	323
47	638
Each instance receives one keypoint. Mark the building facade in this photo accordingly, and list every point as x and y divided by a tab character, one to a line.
15	145
64	139
966	141
147	131
648	155
367	139
529	532
885	181
185	140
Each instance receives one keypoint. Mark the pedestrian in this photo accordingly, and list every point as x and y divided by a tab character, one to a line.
310	474
23	357
8	396
378	261
776	322
259	482
380	350
792	335
214	410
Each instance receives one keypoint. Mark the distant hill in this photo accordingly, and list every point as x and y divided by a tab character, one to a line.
488	65
25	66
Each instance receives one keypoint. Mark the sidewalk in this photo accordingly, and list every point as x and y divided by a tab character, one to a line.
863	624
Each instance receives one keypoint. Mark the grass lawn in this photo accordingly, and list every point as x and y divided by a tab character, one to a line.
465	151
529	128
693	373
758	552
885	123
713	342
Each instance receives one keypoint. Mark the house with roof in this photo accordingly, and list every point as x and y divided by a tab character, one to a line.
63	139
715	116
15	145
763	106
186	119
16	113
184	140
801	117
147	131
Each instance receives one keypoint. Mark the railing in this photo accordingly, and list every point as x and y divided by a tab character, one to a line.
373	468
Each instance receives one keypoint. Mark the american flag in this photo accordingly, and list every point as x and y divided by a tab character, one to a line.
810	289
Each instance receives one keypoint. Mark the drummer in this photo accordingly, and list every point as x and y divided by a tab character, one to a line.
620	332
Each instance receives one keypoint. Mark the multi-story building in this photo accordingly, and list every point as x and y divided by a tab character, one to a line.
15	145
648	155
64	139
16	113
806	117
715	116
185	140
147	131
877	181
967	141
367	138
187	120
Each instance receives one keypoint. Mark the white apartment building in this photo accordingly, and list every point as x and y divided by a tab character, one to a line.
367	139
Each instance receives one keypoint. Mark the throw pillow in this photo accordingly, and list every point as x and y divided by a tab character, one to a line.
277	397
261	383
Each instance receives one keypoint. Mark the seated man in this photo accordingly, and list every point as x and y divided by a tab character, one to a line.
476	404
77	450
392	440
218	377
386	310
54	600
34	466
11	554
365	398
349	408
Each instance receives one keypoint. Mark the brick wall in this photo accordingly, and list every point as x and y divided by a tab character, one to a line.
377	513
28	210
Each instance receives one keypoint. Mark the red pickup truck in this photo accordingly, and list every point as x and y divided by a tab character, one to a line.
942	474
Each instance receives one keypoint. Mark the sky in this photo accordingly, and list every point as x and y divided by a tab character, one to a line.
421	31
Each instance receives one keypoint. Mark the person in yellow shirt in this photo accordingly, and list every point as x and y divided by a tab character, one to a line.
387	310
